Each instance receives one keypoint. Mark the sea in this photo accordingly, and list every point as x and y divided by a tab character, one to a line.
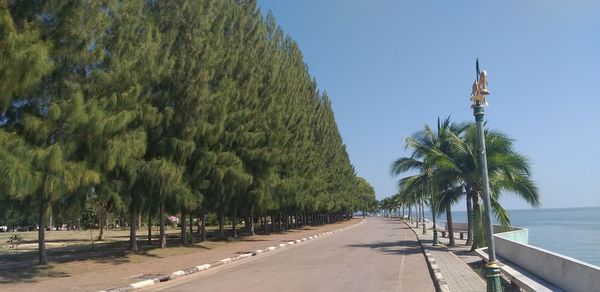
574	232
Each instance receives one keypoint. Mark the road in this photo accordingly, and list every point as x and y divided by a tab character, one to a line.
377	255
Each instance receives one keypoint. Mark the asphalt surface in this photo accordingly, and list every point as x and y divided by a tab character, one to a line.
377	255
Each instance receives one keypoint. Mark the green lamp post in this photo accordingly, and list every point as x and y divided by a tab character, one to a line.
479	103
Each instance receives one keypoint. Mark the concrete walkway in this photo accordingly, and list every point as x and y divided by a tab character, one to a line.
379	255
457	274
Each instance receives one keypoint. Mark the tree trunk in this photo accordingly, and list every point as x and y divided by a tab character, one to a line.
450	228
417	215
279	219
203	215
478	238
252	220
191	224
183	221
102	223
198	227
221	223
234	221
43	259
266	223
469	219
149	227
423	217
435	239
133	229
163	235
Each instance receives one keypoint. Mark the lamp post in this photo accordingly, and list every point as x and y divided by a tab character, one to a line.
479	103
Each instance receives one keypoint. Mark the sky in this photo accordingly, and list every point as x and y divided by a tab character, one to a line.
392	66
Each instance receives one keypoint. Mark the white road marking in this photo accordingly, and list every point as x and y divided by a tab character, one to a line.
399	284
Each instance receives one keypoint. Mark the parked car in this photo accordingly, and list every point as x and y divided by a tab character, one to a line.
4	228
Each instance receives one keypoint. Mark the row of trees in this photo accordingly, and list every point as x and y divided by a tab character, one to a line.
445	161
146	108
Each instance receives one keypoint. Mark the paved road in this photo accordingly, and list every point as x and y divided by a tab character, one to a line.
377	255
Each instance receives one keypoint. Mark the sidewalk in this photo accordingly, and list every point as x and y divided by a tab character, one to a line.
123	273
452	261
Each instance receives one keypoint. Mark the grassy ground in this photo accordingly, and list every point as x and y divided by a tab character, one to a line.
64	247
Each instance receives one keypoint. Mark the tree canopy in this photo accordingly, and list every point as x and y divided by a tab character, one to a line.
144	107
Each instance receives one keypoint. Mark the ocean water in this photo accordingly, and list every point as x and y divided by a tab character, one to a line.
573	232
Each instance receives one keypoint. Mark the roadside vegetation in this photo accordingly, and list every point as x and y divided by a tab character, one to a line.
444	168
127	112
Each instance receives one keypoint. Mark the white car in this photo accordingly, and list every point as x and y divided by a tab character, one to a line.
4	228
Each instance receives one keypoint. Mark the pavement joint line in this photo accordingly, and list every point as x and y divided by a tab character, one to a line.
183	273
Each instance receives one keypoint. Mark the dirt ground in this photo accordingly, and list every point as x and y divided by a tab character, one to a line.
77	266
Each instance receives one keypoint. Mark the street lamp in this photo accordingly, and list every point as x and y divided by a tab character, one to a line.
479	103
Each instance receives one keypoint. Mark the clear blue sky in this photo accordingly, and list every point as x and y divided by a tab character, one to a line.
391	66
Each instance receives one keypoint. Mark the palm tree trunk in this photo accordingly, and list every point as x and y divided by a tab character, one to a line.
43	259
423	216
478	238
469	219
450	228
417	215
433	211
163	235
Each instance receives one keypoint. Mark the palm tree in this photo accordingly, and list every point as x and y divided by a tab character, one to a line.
427	146
447	159
509	171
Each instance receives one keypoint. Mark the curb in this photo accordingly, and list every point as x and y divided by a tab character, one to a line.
203	267
434	270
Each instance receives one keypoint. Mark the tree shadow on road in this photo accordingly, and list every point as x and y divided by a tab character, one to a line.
401	247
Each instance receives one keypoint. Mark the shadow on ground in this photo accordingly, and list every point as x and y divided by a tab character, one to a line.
402	247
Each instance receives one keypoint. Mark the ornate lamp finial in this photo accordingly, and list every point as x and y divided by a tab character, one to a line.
479	88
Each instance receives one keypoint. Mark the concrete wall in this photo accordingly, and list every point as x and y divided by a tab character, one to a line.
513	233
562	271
520	235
